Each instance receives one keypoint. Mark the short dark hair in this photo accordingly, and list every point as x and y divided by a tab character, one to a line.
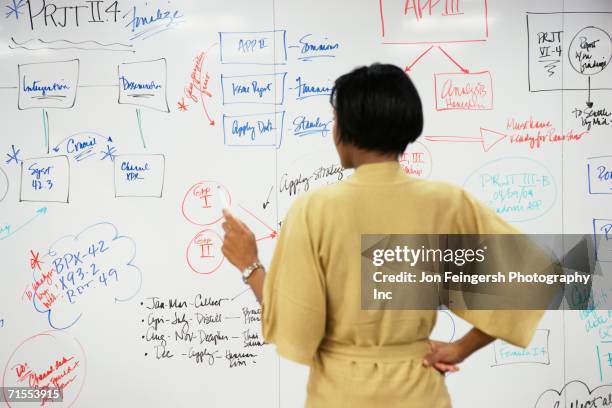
377	108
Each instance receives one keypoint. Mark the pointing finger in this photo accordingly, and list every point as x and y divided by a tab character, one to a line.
230	220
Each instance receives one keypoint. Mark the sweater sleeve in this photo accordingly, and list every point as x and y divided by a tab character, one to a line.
514	326
293	307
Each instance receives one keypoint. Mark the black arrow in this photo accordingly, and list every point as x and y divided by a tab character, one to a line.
589	103
268	199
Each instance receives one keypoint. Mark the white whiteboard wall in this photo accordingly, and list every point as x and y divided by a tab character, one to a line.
125	123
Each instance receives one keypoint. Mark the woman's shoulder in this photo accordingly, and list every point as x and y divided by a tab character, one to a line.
437	191
439	188
315	196
444	195
319	202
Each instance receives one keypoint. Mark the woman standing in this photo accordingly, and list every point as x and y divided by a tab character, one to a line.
311	296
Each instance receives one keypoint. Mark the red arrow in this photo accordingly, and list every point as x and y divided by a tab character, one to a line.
488	138
464	70
272	234
204	88
409	67
211	122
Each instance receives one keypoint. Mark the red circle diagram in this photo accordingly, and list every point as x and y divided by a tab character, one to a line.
204	254
204	201
47	360
416	160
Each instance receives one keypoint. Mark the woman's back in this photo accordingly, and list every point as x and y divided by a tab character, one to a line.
311	296
362	357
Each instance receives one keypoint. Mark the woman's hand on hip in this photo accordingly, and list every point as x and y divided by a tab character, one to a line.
444	356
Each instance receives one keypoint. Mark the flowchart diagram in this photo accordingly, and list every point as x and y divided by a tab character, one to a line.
257	90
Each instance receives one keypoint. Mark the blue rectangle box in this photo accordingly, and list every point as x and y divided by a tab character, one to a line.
599	173
260	129
602	231
255	47
265	89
